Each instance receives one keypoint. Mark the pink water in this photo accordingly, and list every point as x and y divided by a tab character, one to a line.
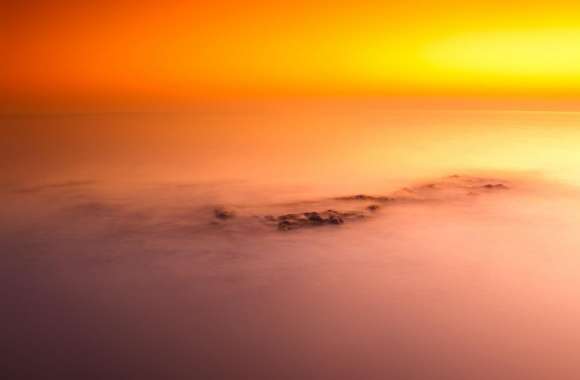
113	265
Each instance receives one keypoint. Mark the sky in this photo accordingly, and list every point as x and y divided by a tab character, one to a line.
148	53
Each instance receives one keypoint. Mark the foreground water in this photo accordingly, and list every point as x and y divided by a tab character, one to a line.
109	275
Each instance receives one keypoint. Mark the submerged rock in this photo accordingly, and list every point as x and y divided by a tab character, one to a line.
223	213
364	197
335	219
285	225
314	217
495	186
311	219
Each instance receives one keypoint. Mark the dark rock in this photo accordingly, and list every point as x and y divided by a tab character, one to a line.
284	225
314	217
363	197
495	186
309	219
373	207
288	217
222	213
358	197
335	219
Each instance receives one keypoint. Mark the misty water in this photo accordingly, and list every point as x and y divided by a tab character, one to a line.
114	265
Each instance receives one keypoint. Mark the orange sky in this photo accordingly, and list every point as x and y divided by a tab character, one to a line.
70	53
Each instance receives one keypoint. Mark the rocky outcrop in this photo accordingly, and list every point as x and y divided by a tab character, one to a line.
444	189
447	188
364	197
314	219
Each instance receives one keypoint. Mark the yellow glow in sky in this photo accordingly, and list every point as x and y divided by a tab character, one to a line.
543	58
147	51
